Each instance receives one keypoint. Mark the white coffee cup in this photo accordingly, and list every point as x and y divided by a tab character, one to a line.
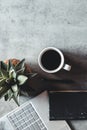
51	60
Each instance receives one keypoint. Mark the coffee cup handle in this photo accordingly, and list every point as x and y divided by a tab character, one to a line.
67	67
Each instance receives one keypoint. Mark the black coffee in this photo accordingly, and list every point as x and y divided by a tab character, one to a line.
51	60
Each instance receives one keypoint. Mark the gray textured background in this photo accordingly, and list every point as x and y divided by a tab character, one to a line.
28	26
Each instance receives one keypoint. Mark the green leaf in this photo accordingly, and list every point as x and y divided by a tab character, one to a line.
4	74
16	99
2	81
10	94
12	73
6	97
1	88
3	66
31	75
20	65
1	77
9	65
15	88
22	79
20	71
0	73
15	96
3	91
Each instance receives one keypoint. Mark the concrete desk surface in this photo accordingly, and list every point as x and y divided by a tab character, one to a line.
28	26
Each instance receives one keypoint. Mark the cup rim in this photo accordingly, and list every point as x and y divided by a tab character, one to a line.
59	67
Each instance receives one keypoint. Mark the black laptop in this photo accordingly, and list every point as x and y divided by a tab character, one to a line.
67	105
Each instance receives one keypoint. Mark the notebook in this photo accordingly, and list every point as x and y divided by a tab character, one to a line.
67	105
32	115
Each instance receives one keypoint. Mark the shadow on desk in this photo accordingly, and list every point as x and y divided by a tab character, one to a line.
38	84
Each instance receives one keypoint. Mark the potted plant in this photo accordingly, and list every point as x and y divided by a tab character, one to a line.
13	74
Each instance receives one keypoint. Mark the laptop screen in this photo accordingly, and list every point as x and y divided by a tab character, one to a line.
67	105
